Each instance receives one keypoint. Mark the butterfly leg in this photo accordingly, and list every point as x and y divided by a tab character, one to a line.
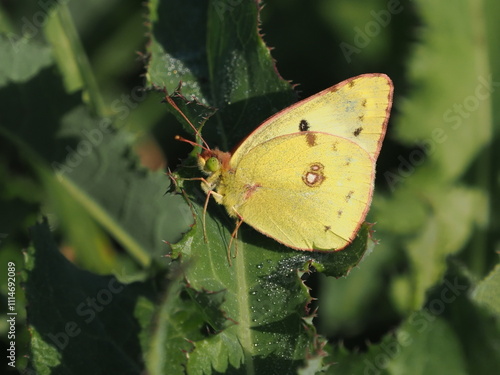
234	236
205	207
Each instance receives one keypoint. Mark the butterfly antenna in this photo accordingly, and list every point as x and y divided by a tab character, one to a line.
205	145
182	139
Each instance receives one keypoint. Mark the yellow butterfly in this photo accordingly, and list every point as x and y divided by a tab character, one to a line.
305	176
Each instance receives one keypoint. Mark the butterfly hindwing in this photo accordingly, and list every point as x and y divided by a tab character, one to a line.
307	190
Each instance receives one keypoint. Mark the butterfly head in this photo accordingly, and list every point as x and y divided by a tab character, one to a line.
213	162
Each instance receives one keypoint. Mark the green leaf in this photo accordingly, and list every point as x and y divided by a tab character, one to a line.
178	48
420	347
263	298
442	185
176	322
443	235
231	71
340	263
451	104
63	43
61	32
432	340
487	292
78	157
19	62
365	292
72	311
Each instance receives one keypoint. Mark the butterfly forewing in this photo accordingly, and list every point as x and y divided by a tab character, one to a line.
356	109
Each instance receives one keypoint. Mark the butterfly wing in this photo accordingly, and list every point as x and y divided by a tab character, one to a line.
356	109
309	191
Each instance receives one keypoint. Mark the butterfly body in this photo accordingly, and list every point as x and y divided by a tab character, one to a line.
305	176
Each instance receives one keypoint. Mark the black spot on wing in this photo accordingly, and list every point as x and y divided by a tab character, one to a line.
357	131
304	126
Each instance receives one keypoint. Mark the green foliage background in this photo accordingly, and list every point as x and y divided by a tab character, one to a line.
88	213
